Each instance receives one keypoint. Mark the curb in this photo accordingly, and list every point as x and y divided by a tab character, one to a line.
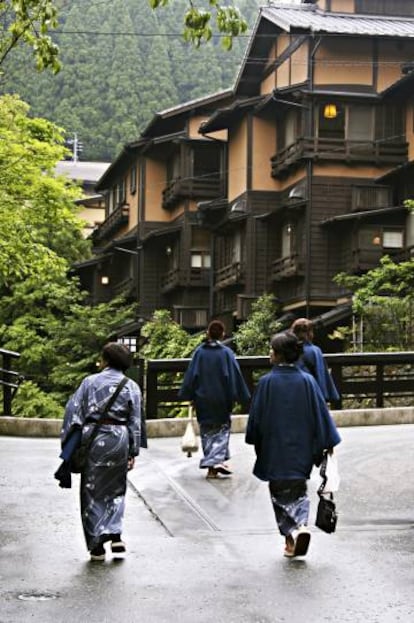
39	427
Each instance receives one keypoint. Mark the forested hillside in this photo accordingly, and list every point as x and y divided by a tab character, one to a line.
122	62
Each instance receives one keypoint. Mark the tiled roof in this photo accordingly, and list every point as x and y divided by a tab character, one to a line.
82	171
312	19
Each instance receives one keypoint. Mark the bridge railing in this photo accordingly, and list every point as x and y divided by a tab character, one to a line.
9	379
363	380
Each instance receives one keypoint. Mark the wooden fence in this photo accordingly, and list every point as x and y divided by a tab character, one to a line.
363	380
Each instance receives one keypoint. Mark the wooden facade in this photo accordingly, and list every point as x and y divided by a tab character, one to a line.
298	173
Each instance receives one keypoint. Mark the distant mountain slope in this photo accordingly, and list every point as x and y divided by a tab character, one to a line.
122	62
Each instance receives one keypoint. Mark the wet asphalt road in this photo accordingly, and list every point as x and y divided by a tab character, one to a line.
208	551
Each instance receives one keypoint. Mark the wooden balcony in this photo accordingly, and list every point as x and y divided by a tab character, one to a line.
115	220
366	259
285	267
229	275
378	152
192	278
208	187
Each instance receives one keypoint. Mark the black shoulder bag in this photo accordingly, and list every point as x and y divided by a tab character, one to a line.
326	515
80	455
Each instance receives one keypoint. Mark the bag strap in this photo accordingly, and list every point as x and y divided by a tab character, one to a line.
106	409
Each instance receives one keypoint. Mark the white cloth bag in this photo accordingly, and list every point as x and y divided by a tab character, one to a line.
331	474
189	441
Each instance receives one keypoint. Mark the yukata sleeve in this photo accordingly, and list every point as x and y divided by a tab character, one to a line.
326	434
187	389
134	419
240	391
74	416
253	435
324	378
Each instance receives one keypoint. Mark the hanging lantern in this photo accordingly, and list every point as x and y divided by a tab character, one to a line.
330	111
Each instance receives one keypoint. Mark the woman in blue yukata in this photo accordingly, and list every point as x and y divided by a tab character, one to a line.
113	448
312	359
290	427
214	383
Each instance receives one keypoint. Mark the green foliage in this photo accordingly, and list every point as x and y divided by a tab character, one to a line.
31	402
166	339
29	22
33	202
198	22
123	65
252	337
42	311
78	338
384	298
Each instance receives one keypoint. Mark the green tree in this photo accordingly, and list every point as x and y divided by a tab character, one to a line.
253	336
199	23
29	22
166	339
42	311
383	298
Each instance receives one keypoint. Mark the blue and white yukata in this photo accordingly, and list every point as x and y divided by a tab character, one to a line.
214	382
290	426
104	479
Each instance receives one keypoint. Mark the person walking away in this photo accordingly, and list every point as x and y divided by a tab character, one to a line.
214	383
112	450
290	427
313	360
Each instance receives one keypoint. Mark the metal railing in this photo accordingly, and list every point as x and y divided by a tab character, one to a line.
9	379
362	379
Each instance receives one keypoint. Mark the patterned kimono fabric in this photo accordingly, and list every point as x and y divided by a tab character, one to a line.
215	439
290	504
103	484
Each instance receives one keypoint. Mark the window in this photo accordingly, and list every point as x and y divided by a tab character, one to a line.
133	180
200	259
206	161
331	128
188	317
288	130
392	239
287	240
360	123
173	168
130	342
374	236
121	195
370	197
200	248
352	122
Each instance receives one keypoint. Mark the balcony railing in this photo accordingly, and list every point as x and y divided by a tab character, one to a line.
207	187
229	275
285	267
376	151
366	259
118	217
193	277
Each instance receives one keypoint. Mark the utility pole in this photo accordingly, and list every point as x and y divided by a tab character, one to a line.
76	145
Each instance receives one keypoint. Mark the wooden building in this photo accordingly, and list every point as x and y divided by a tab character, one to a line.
298	173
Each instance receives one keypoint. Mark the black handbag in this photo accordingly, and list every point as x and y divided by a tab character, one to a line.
80	454
326	514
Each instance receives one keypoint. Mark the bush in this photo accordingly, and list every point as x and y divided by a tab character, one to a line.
31	402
